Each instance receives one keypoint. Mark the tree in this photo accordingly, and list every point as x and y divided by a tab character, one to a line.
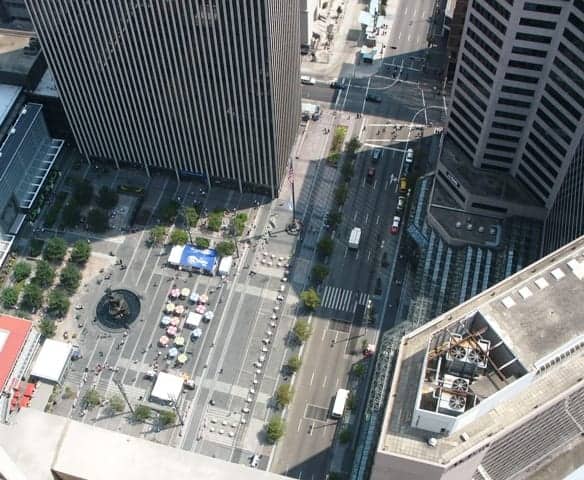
9	297
275	429
83	192
97	220
68	393
310	298
284	394
92	398
107	198
191	216
58	303
142	413
325	246
44	274
224	249
334	219
302	329
348	170
81	251
157	234
21	271
202	242
239	223
47	328
353	145
345	436
179	237
32	296
116	404
55	249
359	370
167	417
215	220
70	278
169	211
294	363
319	272
71	215
341	194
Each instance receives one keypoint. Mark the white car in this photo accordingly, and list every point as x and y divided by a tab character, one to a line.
255	461
409	156
79	307
306	80
395	225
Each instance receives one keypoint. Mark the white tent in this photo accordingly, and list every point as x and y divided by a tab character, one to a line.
52	361
193	320
167	387
176	254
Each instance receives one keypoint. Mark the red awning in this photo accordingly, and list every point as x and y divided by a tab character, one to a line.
24	402
30	389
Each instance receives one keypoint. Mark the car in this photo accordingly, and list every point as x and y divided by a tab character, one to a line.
337	85
409	156
255	461
403	185
376	155
304	49
395	225
372	97
401	203
370	174
306	80
79	307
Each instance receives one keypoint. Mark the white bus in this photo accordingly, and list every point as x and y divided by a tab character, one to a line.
340	402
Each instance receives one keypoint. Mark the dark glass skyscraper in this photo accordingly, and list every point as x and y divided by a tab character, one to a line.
207	87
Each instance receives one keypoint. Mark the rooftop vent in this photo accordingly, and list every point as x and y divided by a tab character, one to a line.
558	274
525	293
508	302
541	283
432	442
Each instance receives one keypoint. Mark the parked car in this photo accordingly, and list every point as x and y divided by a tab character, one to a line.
403	185
374	98
377	153
306	80
401	203
337	85
395	225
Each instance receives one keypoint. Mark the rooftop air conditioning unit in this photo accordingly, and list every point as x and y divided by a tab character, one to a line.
450	403
456	353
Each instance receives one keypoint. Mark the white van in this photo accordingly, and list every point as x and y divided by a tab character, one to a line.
306	80
409	156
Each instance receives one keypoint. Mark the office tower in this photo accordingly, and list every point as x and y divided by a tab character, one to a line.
308	15
492	388
518	95
200	87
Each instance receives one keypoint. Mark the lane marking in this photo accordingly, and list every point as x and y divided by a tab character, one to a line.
324	382
312	377
377	221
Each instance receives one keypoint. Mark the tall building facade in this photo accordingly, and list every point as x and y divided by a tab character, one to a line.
518	91
200	87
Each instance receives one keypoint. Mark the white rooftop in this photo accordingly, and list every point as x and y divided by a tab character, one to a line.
175	254
167	387
39	442
8	96
52	360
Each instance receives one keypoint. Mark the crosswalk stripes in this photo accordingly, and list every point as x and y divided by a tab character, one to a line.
336	298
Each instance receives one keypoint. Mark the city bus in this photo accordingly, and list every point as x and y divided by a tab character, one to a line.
340	402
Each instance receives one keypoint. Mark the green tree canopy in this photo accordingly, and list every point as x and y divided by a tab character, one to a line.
310	298
116	404
167	417
21	271
10	297
302	329
225	249
142	413
325	246
353	145
48	328
215	220
71	215
107	198
202	242
345	436
191	216
157	234
55	249
32	296
294	363
334	219
81	251
44	274
83	192
239	223
341	193
92	398
348	170
70	278
319	272
275	429
97	220
359	370
58	303
284	394
169	211
179	237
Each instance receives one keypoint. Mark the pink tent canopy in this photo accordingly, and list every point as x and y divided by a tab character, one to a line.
171	331
164	340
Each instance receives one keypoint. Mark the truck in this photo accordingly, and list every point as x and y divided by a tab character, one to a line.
340	402
355	238
225	265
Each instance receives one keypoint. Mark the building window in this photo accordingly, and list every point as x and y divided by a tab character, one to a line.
511	115
530	52
518	91
538	7
529	37
514	103
532	22
520	78
526	65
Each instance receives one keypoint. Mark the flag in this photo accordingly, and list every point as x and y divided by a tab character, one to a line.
291	175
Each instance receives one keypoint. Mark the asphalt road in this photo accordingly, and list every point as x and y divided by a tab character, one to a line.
356	275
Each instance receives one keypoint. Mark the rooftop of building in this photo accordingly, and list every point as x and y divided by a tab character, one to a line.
490	183
13	333
535	315
39	443
47	87
16	56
